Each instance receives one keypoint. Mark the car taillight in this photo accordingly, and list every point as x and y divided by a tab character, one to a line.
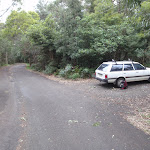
105	76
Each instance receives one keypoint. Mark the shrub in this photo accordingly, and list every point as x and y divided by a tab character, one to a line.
35	67
74	76
85	73
68	68
66	72
62	73
50	69
75	72
76	69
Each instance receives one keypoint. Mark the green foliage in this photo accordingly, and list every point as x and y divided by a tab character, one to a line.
36	67
66	71
74	72
28	66
85	73
71	39
105	11
74	76
66	42
42	9
5	50
18	22
43	35
62	73
51	68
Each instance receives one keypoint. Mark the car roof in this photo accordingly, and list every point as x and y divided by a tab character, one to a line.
119	62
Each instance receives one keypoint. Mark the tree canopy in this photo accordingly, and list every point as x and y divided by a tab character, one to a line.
77	34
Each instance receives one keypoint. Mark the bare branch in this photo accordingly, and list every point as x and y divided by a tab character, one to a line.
7	9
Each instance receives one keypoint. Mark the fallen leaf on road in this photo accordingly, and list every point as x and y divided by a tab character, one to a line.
20	140
72	121
23	118
96	124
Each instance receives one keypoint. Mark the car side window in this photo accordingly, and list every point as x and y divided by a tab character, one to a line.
128	67
117	67
138	67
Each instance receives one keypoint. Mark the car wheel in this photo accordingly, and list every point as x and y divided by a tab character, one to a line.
120	82
149	79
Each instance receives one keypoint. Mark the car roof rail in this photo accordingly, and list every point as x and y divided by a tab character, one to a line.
114	61
130	60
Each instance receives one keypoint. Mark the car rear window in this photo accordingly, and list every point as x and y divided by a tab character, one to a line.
117	67
103	67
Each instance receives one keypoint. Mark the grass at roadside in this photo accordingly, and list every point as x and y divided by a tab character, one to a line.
28	66
5	65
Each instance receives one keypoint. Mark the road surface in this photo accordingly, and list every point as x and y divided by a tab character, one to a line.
40	114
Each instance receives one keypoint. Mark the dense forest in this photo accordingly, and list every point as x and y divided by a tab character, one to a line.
71	38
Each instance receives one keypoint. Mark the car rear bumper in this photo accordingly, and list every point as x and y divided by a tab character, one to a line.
102	80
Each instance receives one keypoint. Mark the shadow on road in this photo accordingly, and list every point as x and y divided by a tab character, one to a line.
130	84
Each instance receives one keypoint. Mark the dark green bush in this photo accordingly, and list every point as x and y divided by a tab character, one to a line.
62	73
75	72
49	69
74	76
36	67
85	73
66	71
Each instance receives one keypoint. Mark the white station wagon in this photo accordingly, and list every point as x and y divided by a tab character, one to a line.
117	72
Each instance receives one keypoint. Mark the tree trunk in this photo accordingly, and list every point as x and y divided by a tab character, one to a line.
6	58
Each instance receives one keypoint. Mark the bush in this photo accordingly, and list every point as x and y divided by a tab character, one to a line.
66	72
76	69
50	69
74	76
68	68
62	73
35	67
75	72
85	73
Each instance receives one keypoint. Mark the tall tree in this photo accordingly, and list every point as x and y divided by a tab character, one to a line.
18	22
71	13
43	35
42	9
89	5
15	29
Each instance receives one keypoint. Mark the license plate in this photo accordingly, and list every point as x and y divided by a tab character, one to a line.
100	74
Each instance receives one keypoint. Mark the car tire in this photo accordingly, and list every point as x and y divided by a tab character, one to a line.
120	82
149	79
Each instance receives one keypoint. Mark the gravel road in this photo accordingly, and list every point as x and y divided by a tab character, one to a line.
37	113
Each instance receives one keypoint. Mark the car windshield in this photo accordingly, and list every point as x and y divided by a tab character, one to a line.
103	67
